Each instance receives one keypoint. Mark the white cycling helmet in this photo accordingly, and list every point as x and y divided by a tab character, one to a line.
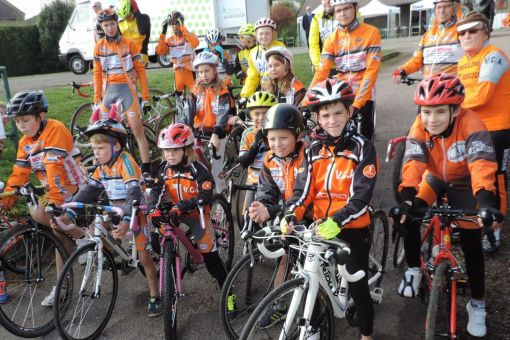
283	51
265	22
213	36
205	58
342	2
328	91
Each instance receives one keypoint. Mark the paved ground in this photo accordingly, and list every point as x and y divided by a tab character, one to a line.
396	318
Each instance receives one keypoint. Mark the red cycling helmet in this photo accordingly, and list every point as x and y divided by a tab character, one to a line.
175	136
328	91
440	89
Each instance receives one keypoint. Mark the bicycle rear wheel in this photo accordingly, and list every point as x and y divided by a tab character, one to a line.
438	312
379	235
31	252
79	312
398	251
169	290
79	122
223	226
240	195
291	296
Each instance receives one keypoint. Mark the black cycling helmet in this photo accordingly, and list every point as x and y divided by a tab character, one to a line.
176	17
108	127
27	103
284	116
106	15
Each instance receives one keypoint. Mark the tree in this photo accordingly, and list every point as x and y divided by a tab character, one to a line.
52	23
283	14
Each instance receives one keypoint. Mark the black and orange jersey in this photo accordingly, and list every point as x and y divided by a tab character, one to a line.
465	156
295	95
338	179
276	179
53	158
121	180
180	47
183	185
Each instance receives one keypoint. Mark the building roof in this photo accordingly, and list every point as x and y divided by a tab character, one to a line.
315	3
10	12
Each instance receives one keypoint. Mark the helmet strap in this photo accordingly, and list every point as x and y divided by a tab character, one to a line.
42	125
113	142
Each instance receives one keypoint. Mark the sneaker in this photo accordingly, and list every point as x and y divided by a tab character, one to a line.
82	259
154	308
314	336
272	316
410	284
48	301
4	297
476	323
232	305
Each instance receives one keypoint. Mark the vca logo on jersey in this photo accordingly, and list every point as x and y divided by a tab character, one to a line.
457	152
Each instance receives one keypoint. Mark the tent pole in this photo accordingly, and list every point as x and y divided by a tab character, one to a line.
410	18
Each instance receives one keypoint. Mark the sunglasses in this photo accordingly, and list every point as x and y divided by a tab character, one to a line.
471	31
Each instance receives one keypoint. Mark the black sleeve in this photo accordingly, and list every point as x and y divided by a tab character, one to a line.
189	116
205	184
237	65
268	193
158	189
298	97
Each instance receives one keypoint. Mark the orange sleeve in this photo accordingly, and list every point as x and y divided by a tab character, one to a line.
19	176
415	63
140	71
98	75
479	95
190	37
322	71
367	83
162	47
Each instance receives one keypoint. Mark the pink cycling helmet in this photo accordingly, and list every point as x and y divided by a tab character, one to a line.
265	22
175	136
440	89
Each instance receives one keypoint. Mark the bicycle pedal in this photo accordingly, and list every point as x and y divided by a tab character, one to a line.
377	295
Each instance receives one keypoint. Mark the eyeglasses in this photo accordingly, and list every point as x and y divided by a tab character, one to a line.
346	9
471	31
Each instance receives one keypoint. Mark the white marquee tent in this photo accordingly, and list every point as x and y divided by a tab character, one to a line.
423	5
375	8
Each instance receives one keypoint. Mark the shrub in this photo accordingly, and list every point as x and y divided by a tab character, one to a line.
284	16
19	49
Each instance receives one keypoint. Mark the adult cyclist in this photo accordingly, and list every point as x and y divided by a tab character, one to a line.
135	26
322	25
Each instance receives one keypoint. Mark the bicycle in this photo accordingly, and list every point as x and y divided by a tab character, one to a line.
27	257
316	295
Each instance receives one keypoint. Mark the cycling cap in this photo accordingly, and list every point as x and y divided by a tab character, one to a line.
175	136
261	99
440	89
107	14
248	29
329	91
265	22
213	36
205	58
283	51
284	116
27	103
343	2
471	20
176	17
108	127
124	8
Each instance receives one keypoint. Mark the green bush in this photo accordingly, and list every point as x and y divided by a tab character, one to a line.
52	23
19	49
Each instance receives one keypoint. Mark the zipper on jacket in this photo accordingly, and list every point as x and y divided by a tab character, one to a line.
444	159
327	182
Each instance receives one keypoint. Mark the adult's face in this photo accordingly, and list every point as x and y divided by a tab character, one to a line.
472	39
345	13
327	6
444	11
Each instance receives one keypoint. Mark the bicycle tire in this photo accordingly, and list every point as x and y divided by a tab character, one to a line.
72	305
154	152
285	292
379	239
232	147
239	199
223	226
439	304
169	290
25	288
79	122
248	292
398	251
396	172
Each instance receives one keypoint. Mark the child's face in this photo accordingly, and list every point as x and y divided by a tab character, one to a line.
28	124
206	73
264	36
176	28
258	116
332	118
436	119
281	141
247	41
277	69
173	156
110	27
103	151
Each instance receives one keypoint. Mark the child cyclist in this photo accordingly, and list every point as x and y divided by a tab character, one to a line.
185	181
246	35
339	177
282	82
47	150
181	47
258	72
454	149
208	108
213	38
253	146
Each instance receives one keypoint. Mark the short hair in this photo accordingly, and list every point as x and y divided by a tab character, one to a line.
101	138
347	104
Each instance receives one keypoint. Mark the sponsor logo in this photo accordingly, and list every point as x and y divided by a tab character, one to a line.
343	174
413	149
369	171
207	185
457	152
479	146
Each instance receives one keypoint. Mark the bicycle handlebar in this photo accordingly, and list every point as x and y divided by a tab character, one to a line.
77	88
409	81
78	205
244	187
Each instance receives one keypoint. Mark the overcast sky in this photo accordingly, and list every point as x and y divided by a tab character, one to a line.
30	7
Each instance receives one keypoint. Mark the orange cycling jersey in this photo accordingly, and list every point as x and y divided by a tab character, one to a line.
51	156
255	163
118	62
486	79
276	179
356	52
464	156
294	96
438	51
180	47
338	178
208	110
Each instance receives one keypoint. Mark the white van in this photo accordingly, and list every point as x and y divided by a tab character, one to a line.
77	42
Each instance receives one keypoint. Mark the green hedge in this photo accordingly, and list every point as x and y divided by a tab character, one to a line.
20	49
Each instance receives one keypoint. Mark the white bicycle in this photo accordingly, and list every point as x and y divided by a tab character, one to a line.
316	295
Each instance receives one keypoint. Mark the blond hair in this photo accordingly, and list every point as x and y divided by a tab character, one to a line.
216	84
283	85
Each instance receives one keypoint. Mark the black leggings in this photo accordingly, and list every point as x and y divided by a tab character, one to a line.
359	242
215	267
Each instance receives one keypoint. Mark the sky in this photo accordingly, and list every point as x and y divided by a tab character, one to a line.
30	7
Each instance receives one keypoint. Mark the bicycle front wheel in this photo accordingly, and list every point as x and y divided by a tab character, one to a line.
29	270
169	291
378	248
83	306
396	176
398	251
438	319
290	299
223	226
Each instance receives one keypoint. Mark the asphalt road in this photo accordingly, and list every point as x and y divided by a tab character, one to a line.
395	318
